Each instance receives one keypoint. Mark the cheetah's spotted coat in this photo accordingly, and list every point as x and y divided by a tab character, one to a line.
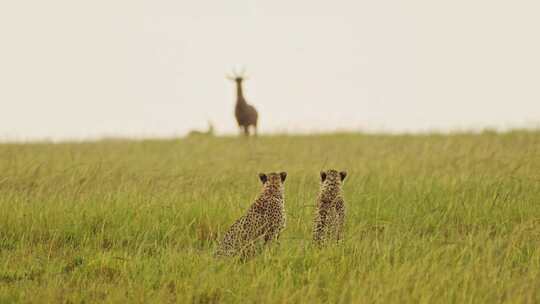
264	220
330	214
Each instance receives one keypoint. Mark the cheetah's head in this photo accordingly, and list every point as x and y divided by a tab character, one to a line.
333	177
276	179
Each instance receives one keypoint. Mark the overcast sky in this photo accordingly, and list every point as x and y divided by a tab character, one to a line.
84	69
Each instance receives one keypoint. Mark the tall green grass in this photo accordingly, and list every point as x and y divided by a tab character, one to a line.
431	218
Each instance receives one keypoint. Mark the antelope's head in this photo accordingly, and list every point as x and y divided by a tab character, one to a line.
237	77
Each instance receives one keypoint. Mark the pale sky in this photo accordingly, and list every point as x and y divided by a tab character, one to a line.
72	69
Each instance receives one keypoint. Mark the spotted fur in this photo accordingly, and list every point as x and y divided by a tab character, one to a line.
330	214
262	223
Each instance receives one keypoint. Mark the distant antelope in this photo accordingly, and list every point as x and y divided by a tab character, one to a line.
245	114
196	133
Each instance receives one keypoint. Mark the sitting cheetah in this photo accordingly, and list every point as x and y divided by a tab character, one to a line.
264	220
330	215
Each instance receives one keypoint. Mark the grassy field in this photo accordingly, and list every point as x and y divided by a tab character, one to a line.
431	218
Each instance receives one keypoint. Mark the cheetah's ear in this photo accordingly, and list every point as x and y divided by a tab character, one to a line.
283	176
323	176
263	177
342	174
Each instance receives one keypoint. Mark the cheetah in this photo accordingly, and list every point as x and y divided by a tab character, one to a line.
330	214
262	223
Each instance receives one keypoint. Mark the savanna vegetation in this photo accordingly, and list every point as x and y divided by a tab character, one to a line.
431	218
